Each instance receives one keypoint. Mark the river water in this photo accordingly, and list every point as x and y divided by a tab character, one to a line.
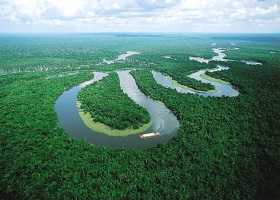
121	57
250	62
163	119
221	89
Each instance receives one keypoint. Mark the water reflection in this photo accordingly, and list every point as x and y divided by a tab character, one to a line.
97	77
163	119
199	59
221	89
69	119
220	56
121	57
250	62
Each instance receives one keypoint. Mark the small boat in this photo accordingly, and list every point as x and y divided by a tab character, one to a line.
149	135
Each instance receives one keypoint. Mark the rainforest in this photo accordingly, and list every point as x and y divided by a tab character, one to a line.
214	98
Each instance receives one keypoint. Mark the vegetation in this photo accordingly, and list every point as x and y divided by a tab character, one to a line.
182	70
204	76
108	104
102	128
227	135
189	88
226	148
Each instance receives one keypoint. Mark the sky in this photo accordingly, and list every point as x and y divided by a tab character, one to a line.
240	16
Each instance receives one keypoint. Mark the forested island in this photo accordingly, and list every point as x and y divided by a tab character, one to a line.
225	148
112	107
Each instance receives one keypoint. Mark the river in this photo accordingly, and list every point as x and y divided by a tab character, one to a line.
221	89
121	57
163	120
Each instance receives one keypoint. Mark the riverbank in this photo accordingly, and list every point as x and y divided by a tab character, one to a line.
102	128
186	87
206	77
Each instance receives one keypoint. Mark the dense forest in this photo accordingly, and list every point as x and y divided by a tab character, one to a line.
226	148
239	133
108	104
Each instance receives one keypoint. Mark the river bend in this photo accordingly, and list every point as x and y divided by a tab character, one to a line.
163	119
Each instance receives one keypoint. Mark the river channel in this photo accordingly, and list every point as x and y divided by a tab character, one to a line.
221	89
163	120
121	57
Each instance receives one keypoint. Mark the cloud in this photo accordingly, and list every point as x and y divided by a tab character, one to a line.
67	8
240	13
193	4
264	12
185	15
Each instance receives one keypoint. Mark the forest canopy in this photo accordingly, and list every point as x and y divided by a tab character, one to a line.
226	148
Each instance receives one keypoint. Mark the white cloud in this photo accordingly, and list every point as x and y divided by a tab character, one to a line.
68	8
213	14
240	13
262	11
193	4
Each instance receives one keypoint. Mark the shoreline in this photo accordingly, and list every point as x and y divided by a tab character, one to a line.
189	88
209	78
104	129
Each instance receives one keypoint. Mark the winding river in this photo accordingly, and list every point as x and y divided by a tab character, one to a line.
221	88
163	119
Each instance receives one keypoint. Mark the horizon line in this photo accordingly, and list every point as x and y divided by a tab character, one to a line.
140	32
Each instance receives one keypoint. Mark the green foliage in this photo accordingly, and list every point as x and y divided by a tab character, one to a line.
108	104
226	148
181	70
232	134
